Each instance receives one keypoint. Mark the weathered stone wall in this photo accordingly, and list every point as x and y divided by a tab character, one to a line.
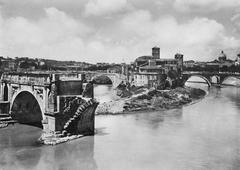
67	108
4	107
86	122
76	116
70	88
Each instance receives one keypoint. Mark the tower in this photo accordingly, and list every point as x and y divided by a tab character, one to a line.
156	52
179	58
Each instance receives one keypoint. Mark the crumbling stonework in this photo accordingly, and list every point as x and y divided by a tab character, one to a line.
75	117
88	91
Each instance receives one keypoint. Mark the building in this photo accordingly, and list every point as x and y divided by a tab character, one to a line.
189	63
148	80
8	64
144	62
115	69
150	70
237	61
222	57
156	52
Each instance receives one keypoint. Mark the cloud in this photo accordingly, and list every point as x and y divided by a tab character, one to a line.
58	35
198	38
236	22
203	5
103	7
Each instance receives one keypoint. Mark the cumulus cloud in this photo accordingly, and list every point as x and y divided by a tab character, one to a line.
57	35
102	7
188	5
198	38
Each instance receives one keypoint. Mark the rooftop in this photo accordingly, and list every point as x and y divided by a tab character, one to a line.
147	57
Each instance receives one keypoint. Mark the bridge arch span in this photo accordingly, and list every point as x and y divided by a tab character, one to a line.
230	76
103	75
202	77
26	108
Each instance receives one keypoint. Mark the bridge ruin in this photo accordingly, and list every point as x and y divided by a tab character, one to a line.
56	102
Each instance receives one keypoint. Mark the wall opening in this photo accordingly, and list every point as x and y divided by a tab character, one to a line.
198	79
5	93
234	81
26	109
102	79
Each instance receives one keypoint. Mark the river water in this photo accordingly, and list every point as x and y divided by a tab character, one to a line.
204	135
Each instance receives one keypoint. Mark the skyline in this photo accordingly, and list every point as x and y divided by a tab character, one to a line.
119	30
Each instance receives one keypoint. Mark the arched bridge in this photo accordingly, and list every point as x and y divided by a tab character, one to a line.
208	76
55	102
116	78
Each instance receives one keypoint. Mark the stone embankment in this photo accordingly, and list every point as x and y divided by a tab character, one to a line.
5	120
150	100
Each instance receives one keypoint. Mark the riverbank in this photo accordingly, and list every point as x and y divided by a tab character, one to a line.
150	100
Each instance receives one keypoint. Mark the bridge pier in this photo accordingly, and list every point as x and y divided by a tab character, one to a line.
4	107
75	116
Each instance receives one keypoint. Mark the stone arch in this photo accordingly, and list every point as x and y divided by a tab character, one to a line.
202	77
5	92
227	77
99	75
26	108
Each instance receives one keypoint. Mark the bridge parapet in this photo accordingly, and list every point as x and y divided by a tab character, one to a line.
208	76
26	78
39	79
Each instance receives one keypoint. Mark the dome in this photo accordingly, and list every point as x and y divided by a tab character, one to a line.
222	56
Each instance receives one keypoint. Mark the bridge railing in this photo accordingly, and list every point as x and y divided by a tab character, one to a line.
211	73
24	79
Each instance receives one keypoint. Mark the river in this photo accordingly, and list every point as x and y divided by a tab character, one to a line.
200	136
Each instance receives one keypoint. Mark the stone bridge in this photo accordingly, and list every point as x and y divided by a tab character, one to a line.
116	78
208	76
58	103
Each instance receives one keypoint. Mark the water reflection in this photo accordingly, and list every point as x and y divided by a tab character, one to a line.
233	94
19	150
156	118
232	81
78	154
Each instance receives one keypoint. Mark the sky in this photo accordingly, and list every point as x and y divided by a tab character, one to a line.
117	31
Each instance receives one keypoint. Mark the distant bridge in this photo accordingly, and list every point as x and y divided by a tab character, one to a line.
208	76
116	78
